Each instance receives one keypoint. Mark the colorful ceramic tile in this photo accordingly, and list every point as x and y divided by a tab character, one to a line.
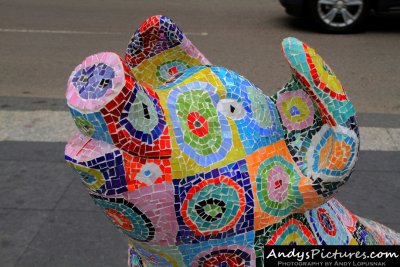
236	250
214	205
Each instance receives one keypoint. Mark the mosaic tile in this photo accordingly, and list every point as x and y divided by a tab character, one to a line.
327	227
197	167
292	230
236	250
144	255
259	124
214	205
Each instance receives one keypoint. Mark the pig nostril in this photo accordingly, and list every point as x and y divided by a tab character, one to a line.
94	81
104	83
84	78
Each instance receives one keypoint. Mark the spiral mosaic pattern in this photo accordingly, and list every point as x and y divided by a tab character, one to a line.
296	109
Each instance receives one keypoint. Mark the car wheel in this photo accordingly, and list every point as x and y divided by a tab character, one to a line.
339	15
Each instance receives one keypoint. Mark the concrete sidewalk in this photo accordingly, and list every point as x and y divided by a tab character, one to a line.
47	218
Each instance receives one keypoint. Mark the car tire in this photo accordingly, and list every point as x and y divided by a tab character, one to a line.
339	16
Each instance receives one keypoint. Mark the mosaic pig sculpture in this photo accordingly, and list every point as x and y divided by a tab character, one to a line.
199	168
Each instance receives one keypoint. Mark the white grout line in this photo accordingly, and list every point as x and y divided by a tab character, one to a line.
79	32
58	126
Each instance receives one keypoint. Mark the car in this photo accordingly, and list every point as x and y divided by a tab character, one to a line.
339	15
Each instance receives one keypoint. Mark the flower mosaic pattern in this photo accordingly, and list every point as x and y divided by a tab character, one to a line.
197	167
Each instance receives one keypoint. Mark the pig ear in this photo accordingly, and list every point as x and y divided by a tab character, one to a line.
318	119
319	81
159	51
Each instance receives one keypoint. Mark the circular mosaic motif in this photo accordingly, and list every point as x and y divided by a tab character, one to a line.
293	232
200	131
143	116
327	227
332	153
128	218
227	257
296	109
277	187
323	76
209	141
169	69
344	216
326	222
94	81
312	69
213	206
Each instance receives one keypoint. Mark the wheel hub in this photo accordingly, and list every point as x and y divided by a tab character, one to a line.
340	4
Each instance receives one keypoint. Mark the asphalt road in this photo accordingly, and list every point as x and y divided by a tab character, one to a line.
242	35
46	218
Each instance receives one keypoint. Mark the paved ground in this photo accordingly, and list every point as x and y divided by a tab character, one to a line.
46	218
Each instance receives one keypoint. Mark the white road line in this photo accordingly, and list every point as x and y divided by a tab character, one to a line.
58	126
79	32
379	139
36	126
56	31
197	33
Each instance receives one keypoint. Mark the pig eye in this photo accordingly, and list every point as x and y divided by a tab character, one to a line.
231	108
